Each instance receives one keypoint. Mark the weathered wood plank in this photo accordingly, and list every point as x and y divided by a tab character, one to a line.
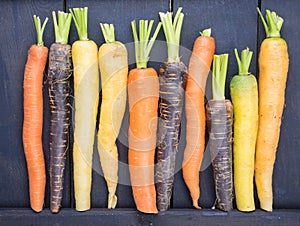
180	217
17	33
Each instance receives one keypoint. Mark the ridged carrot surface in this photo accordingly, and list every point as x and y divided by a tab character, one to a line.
33	118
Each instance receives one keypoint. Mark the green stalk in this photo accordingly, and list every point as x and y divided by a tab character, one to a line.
244	61
39	29
206	32
80	17
142	43
172	32
272	24
108	31
219	76
62	27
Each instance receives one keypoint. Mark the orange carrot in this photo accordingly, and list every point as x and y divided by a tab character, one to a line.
273	68
143	88
199	67
33	118
143	92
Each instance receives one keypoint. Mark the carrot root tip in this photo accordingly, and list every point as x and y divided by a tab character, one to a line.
195	204
37	210
112	201
56	210
151	211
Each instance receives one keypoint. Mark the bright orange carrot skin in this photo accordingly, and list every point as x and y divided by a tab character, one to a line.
143	92
198	71
273	67
33	123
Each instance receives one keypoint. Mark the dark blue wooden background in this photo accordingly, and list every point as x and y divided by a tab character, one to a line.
234	23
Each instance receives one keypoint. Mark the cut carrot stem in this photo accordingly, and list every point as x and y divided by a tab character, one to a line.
199	67
172	32
39	29
33	118
273	68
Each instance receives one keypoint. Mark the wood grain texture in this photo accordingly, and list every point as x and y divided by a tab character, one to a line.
120	13
17	33
286	177
234	25
130	217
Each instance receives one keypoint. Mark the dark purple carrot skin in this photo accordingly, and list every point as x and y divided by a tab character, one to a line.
59	73
172	82
219	116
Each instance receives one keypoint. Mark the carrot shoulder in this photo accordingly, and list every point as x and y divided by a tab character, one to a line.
273	68
33	118
199	68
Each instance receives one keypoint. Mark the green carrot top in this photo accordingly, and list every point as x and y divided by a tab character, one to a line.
219	76
80	17
244	61
172	32
142	43
206	32
62	26
108	31
39	29
272	24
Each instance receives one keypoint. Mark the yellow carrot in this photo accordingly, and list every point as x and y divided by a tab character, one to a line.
244	95
113	64
273	67
86	93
